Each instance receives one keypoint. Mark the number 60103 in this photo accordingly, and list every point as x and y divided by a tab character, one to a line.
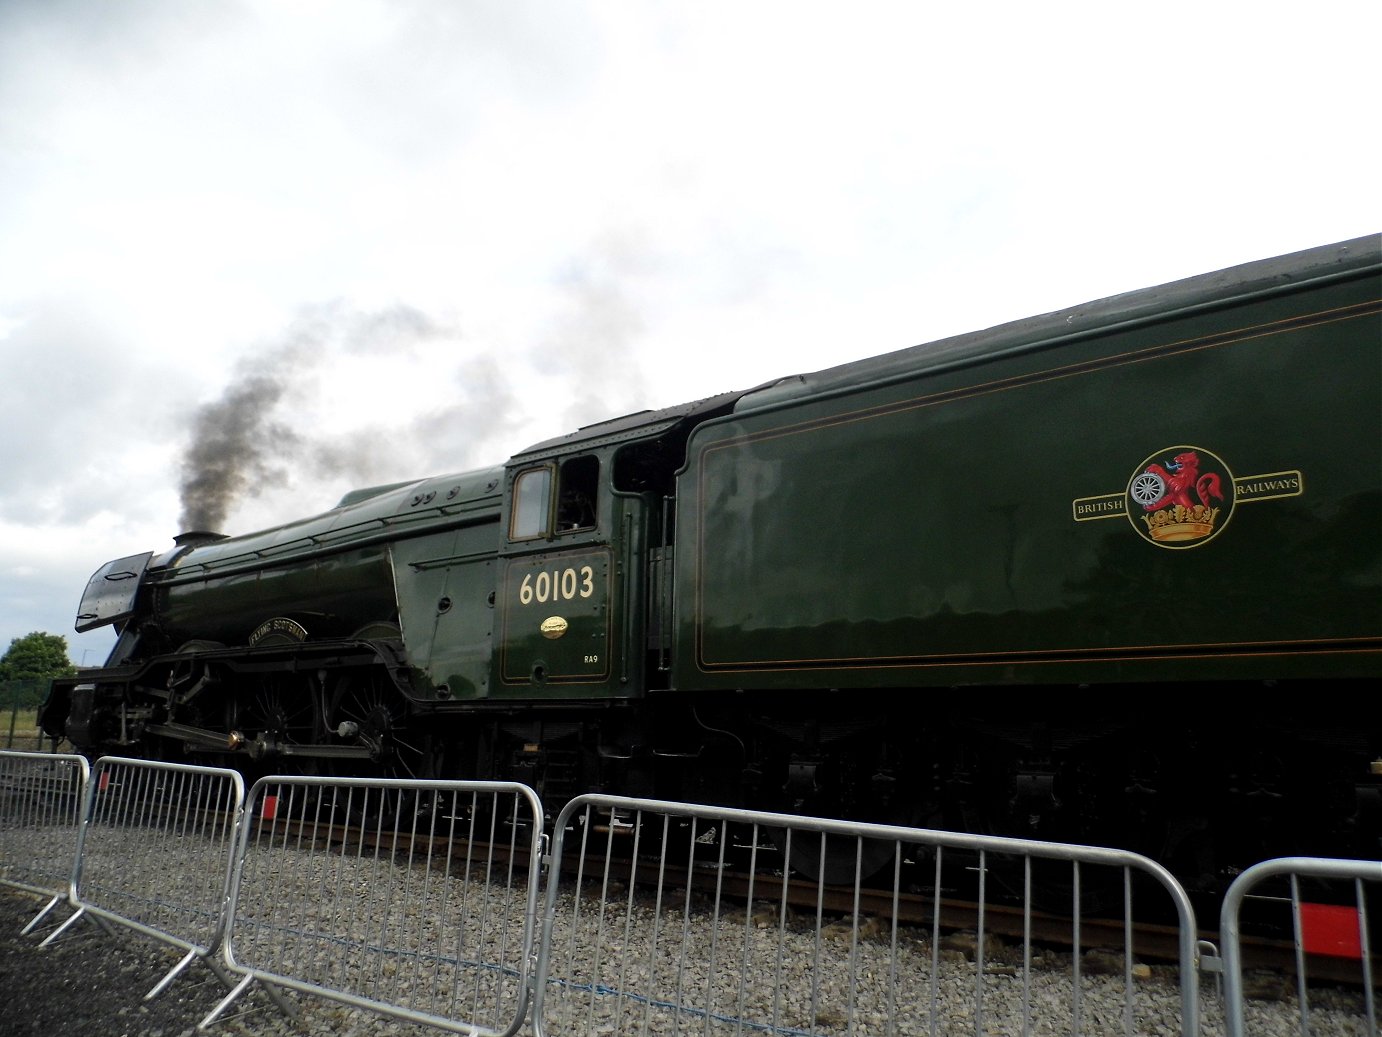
557	585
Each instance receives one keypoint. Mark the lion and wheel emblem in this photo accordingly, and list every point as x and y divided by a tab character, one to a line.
1180	497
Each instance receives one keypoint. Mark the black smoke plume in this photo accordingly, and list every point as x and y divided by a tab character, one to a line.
233	442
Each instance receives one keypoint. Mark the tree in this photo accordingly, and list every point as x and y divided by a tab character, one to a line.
36	656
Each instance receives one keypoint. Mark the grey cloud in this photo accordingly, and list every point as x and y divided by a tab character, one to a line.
120	38
71	397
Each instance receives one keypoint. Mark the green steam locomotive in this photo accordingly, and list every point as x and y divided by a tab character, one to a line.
1110	575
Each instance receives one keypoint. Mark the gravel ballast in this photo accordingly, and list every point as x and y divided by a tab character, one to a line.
92	983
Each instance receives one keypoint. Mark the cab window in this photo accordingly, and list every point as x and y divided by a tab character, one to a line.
580	476
532	495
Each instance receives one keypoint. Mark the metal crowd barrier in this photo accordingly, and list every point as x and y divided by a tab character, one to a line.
408	898
419	900
1336	927
154	854
41	799
671	917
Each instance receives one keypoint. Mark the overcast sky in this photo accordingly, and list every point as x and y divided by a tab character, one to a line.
394	239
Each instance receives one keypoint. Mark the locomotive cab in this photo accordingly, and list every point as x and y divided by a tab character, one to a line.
558	600
580	590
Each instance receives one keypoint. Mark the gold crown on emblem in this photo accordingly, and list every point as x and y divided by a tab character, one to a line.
1181	523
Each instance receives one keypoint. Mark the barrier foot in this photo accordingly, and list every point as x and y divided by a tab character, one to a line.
172	974
41	915
225	1003
62	928
274	993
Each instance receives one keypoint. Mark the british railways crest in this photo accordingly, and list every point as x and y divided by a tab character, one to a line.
1183	501
1183	496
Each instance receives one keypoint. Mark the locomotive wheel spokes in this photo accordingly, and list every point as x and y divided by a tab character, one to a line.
366	711
274	720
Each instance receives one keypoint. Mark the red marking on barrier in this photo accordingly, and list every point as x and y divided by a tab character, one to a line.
270	809
1330	930
104	780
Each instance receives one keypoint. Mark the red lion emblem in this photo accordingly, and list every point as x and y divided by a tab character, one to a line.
1183	476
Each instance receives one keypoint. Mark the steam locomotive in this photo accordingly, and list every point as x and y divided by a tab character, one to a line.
1109	575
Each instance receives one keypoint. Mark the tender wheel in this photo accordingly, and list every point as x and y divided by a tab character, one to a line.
833	860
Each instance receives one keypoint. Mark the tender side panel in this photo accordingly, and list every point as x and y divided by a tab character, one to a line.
1016	520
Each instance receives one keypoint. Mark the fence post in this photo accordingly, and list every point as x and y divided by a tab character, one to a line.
14	712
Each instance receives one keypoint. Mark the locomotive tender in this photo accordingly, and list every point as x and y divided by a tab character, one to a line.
1108	575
